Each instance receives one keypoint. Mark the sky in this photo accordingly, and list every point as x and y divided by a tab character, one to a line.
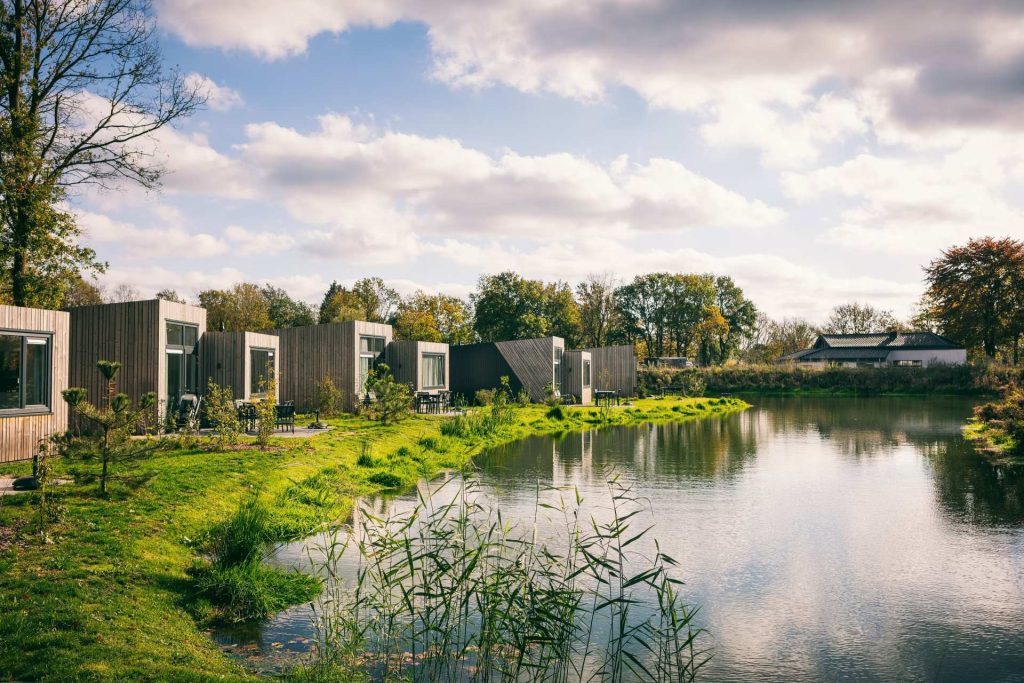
818	152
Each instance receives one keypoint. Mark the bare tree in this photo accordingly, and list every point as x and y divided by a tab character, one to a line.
123	293
596	297
855	318
82	87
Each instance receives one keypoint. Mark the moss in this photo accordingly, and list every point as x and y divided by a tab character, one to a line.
111	598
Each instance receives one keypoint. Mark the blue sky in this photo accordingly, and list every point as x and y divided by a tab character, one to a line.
818	153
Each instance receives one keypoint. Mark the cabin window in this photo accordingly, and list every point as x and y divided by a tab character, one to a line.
370	349
261	368
433	371
586	373
906	363
24	372
556	369
182	357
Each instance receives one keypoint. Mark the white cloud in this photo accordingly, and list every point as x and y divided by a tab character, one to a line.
218	97
247	242
167	240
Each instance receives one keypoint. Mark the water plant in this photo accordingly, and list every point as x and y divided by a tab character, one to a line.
453	591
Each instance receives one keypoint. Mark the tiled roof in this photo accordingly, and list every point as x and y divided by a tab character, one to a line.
903	340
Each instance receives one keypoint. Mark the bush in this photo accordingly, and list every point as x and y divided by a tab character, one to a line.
392	400
386	480
484	397
266	414
222	415
556	412
327	397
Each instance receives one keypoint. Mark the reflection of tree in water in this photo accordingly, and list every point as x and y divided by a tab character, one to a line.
865	426
973	491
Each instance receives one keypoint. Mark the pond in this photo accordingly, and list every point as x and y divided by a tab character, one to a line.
851	539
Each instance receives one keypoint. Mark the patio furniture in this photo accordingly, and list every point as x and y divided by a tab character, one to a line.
676	389
425	402
286	417
247	416
606	395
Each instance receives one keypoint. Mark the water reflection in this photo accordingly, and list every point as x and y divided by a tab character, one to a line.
825	539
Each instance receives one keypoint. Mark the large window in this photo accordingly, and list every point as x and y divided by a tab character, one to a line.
182	353
261	369
370	348
586	373
556	369
24	372
432	371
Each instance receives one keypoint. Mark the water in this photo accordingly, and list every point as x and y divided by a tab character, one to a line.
824	539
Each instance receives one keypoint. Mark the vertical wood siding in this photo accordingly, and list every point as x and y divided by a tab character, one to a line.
226	360
20	435
614	368
573	373
405	360
531	360
308	354
133	333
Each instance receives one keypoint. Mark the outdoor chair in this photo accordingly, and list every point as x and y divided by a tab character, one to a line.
247	416
286	417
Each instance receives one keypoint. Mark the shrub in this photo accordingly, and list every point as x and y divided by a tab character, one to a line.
222	414
365	458
386	480
484	397
522	398
328	397
266	413
392	400
556	412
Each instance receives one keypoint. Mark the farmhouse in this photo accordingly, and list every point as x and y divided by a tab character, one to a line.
880	350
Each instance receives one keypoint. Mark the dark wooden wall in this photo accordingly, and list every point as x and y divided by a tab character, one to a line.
308	354
404	356
531	360
20	435
614	368
478	366
226	359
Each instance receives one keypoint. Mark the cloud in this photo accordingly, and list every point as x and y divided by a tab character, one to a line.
780	76
248	243
375	193
167	240
218	97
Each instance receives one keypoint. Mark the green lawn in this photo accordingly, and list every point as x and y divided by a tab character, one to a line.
106	598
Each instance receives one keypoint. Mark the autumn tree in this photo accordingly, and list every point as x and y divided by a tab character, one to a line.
81	88
976	294
562	313
434	317
80	292
379	302
339	305
241	308
856	318
509	306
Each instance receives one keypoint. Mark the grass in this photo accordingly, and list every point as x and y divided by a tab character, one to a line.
110	598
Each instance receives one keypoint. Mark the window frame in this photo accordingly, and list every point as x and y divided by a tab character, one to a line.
423	360
370	355
191	353
271	361
23	408
586	373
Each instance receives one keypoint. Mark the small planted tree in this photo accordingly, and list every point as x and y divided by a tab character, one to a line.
393	400
266	413
74	397
223	415
114	423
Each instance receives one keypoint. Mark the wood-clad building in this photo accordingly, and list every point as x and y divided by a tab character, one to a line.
242	361
157	343
344	351
422	365
33	373
578	376
613	368
530	365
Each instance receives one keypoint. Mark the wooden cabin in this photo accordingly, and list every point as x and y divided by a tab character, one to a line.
33	373
613	368
578	374
157	343
531	365
242	361
344	351
421	365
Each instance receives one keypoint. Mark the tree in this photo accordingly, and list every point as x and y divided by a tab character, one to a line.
285	311
855	318
435	318
976	294
739	312
339	305
123	293
82	87
391	400
643	305
81	292
508	306
378	301
241	308
563	313
598	316
170	295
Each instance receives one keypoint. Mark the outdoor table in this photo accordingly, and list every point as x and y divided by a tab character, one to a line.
607	395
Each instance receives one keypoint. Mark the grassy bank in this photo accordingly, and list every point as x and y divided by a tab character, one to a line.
997	429
107	596
971	380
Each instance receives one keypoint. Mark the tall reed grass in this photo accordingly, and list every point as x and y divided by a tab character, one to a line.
453	591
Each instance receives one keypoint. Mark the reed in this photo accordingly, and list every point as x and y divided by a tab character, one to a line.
453	591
